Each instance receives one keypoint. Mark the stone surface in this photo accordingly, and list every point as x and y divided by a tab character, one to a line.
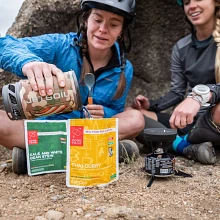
158	25
129	198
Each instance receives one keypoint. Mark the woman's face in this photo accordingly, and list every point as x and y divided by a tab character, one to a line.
200	12
103	29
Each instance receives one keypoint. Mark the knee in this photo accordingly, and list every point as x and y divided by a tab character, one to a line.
5	123
128	108
137	120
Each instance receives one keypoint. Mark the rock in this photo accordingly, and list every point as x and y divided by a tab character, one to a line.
39	218
119	211
87	215
54	215
79	211
157	27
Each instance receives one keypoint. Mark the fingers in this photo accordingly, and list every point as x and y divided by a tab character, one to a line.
39	78
183	122
141	102
180	119
45	82
190	119
137	101
97	111
48	72
40	75
31	78
172	121
136	104
184	113
180	122
59	74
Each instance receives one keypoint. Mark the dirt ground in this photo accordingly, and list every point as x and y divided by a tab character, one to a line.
47	197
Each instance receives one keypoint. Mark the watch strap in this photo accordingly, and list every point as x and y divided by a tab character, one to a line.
201	99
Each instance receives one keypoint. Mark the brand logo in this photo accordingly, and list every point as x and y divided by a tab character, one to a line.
55	96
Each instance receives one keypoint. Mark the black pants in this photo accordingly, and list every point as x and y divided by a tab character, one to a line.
203	129
164	118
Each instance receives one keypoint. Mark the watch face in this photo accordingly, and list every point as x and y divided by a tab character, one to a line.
201	89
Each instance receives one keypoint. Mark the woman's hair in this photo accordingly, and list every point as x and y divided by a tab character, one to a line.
216	35
123	48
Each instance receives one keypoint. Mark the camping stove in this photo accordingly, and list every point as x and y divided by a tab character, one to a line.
159	163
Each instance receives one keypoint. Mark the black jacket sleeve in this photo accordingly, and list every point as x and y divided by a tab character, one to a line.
215	89
168	100
177	88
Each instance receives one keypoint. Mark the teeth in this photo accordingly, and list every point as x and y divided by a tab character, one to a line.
195	14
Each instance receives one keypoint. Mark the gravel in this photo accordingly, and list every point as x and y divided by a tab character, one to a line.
47	197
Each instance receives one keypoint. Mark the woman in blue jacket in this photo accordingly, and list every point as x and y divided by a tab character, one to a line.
98	48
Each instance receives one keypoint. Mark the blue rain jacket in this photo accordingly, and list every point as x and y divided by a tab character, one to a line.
60	50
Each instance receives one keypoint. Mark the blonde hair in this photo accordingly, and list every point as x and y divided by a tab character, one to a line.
216	35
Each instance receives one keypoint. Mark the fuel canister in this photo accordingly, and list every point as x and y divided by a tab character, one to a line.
22	102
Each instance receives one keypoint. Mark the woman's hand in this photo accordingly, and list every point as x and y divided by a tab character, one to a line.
97	111
141	102
40	77
184	113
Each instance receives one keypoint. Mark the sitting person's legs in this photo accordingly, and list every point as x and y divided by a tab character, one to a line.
12	137
130	124
162	122
198	144
11	132
207	127
149	123
202	152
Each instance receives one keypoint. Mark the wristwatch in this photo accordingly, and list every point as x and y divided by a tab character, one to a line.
200	93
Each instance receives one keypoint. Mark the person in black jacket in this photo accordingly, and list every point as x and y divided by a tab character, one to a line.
195	72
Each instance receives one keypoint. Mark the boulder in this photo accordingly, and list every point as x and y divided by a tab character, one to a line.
158	25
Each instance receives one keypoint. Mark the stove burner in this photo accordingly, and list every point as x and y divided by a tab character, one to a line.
159	163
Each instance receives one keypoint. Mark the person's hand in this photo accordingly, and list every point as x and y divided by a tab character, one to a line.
184	113
141	102
40	77
96	111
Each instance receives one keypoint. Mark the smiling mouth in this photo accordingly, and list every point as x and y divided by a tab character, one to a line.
195	14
